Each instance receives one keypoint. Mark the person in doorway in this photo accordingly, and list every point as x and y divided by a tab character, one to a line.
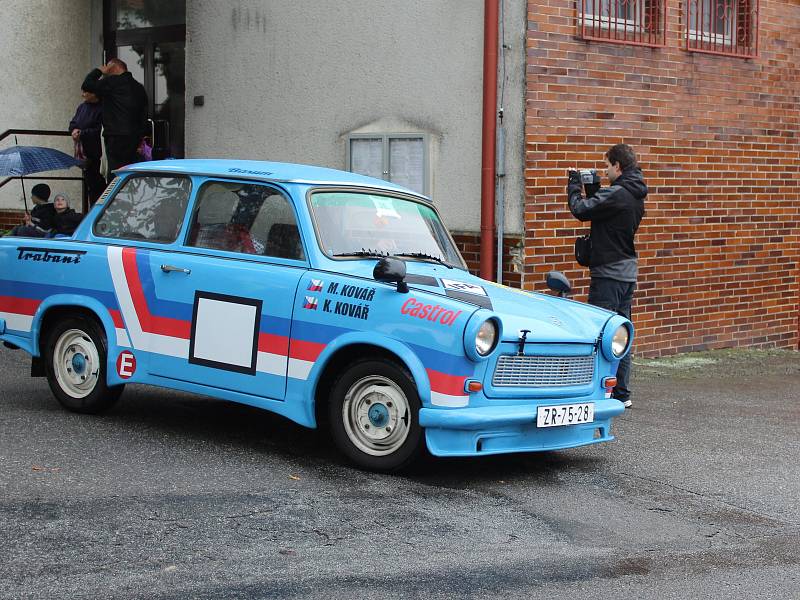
124	102
66	220
85	129
38	222
615	213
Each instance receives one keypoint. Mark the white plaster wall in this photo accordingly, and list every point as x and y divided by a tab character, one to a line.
289	80
45	49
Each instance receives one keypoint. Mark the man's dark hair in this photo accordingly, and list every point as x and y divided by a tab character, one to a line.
622	154
41	191
119	62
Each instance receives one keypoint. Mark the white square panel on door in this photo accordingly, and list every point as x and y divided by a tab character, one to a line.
225	332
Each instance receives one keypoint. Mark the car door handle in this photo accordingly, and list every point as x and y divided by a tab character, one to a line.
170	269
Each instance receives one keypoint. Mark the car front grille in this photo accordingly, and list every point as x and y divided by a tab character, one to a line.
543	371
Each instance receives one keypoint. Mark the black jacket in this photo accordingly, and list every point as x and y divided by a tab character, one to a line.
89	118
43	216
66	221
124	103
615	213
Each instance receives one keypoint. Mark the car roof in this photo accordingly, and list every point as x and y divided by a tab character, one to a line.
264	171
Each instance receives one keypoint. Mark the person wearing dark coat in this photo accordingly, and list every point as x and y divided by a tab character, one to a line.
85	130
615	213
124	103
39	221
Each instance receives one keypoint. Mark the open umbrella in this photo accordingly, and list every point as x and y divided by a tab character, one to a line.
17	161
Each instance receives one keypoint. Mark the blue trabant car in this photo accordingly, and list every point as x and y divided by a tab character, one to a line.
332	299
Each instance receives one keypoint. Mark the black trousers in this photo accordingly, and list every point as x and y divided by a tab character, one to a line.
616	296
95	182
121	151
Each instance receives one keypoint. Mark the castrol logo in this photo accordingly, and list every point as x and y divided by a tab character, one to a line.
429	312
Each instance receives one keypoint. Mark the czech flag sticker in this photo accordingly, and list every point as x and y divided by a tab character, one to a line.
315	285
310	303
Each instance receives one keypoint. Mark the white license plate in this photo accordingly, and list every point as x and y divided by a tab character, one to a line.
564	414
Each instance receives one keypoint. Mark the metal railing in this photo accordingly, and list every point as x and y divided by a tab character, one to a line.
49	133
727	27
636	22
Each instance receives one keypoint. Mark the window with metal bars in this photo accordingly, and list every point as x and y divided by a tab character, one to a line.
638	22
728	27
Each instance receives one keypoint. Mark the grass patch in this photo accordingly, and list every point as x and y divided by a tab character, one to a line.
730	362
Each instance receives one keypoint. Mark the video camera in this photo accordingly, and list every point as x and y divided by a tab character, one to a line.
589	178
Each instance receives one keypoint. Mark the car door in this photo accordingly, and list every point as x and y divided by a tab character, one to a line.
223	303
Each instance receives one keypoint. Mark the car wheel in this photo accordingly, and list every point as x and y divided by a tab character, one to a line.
75	363
374	416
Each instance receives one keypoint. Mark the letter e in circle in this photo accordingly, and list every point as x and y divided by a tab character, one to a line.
126	365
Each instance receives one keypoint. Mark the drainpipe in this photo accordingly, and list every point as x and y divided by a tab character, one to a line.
489	136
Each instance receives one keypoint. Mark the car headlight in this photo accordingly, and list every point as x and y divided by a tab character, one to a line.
619	343
486	338
617	337
482	335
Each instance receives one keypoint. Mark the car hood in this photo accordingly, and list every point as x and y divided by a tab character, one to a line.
548	318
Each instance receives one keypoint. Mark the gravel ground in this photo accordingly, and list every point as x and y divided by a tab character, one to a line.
176	496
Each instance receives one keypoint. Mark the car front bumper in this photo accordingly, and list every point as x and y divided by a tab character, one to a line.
475	431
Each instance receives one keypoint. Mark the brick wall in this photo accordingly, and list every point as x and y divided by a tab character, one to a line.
10	218
719	142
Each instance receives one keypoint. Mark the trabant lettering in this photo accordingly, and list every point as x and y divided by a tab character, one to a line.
49	256
250	172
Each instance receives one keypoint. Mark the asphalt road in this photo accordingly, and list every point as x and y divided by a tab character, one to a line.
174	496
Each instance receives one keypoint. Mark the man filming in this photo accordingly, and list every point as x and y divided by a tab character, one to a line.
615	213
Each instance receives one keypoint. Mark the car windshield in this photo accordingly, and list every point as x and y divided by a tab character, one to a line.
359	224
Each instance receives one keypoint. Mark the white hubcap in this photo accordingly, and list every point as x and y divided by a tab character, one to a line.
76	362
376	415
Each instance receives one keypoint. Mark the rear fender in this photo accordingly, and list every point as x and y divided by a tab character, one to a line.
80	303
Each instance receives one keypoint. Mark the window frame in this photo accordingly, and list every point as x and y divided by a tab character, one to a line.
120	186
385	154
724	44
635	32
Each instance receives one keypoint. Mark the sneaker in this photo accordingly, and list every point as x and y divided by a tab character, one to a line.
627	403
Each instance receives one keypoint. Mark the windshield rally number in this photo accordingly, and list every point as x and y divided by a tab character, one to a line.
565	414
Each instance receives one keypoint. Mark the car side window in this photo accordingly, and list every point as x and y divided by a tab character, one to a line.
147	208
246	218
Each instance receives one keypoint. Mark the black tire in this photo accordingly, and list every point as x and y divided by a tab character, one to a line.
79	379
373	414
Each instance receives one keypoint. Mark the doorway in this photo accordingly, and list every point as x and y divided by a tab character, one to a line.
150	36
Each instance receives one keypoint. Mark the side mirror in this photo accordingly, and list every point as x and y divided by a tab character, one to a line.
558	282
391	270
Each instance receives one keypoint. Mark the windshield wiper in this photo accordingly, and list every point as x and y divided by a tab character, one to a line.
437	259
364	253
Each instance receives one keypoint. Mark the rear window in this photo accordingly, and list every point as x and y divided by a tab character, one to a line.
147	208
